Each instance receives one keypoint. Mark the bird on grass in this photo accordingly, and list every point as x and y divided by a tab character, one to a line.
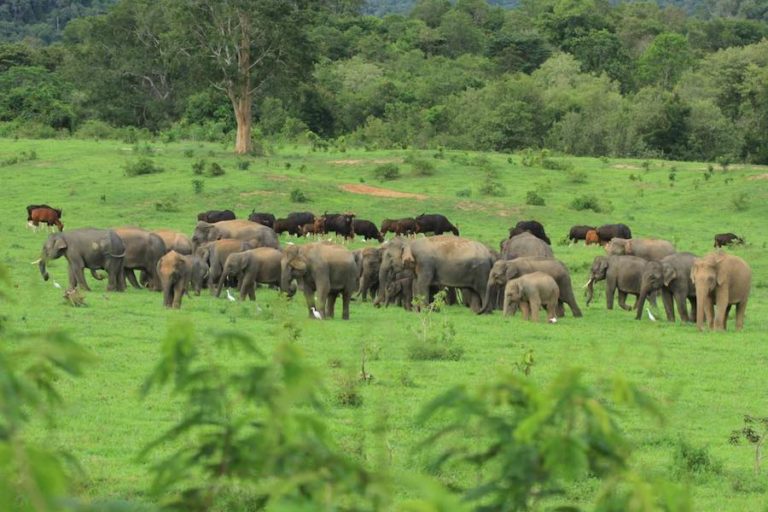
316	313
553	320
56	285
230	297
650	315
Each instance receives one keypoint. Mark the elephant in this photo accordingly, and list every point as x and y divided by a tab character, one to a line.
258	235
525	244
440	261
400	290
620	272
723	280
260	265
505	270
143	250
672	277
175	272
89	248
647	248
215	254
199	274
174	240
530	292
320	268
368	271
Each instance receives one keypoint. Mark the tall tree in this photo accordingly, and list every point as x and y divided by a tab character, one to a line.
243	44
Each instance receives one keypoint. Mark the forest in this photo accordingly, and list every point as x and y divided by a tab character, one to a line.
686	80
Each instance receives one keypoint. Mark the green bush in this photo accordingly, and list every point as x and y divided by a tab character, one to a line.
577	177
199	167
142	166
386	172
588	203
422	167
95	129
167	205
534	199
198	186
491	186
465	192
189	152
215	170
689	461
347	391
432	350
298	196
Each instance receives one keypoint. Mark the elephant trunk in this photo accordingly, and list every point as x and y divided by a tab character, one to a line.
285	282
41	265
488	300
590	290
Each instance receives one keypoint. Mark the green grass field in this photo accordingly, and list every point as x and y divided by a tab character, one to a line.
705	382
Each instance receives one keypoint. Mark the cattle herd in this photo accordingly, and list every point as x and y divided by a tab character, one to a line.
228	252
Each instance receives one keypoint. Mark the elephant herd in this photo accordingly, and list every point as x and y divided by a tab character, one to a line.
523	275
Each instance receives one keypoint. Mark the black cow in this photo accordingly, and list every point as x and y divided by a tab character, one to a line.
339	223
291	226
608	231
265	219
302	217
435	223
212	216
579	233
533	227
367	230
723	239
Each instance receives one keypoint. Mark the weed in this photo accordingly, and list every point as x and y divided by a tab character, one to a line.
438	345
347	391
198	167
689	461
465	192
646	165
215	170
534	199
587	202
141	167
422	167
243	165
740	201
166	205
755	431
491	186
335	363
298	196
198	186
189	152
386	172
287	165
577	177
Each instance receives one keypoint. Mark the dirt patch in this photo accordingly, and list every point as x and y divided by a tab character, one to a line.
280	177
256	193
491	208
626	166
379	192
377	161
763	176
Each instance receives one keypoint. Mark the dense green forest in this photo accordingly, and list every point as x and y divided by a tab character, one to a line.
583	77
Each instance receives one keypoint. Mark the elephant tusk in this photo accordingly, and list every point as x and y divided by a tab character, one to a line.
587	283
36	261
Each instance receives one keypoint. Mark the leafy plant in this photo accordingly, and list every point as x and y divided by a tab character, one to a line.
465	192
689	460
422	167
199	167
755	432
386	172
534	199
215	170
577	177
198	186
167	205
434	341
492	187
141	167
587	202
298	196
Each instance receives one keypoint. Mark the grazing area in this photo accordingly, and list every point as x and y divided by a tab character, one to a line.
372	377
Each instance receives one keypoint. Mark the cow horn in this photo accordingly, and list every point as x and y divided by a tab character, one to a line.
36	261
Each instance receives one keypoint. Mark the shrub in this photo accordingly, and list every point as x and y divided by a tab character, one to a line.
298	196
167	205
386	172
95	129
347	391
215	170
689	460
465	192
142	166
491	186
587	203
556	165
189	152
577	177
198	186
534	199
422	167
198	167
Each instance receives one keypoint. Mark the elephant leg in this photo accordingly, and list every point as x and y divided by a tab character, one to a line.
323	287
566	295
559	309
682	306
525	308
309	296
421	284
623	301
535	305
610	289
669	309
721	313
474	299
725	317
506	309
741	309
553	309
346	298
167	294
79	275
178	293
331	303
132	278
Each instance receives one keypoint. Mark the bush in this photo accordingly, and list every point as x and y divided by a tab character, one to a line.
215	170
432	350
386	172
95	129
491	186
198	186
199	167
347	393
534	199
167	205
189	152
298	196
423	167
465	192
142	166
692	461
577	177
589	203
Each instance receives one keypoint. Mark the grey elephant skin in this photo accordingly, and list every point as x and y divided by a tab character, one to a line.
175	272
530	292
94	249
525	244
245	230
260	265
321	268
369	264
215	254
647	248
721	280
175	241
622	273
506	270
672	277
440	261
143	250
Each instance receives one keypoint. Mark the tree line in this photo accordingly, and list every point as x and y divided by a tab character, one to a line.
584	77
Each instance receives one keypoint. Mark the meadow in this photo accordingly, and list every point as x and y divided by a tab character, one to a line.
704	382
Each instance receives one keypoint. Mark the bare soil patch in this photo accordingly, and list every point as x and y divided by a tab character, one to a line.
626	166
360	161
256	193
763	176
379	192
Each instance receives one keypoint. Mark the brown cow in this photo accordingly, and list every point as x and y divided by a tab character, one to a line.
37	213
591	238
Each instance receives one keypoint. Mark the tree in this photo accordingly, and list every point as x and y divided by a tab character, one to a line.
667	57
243	44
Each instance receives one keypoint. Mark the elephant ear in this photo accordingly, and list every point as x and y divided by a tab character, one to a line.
669	274
603	265
60	244
408	259
298	263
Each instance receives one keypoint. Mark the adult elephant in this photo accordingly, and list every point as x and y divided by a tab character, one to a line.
322	269
622	273
175	272
646	248
215	254
442	261
672	277
525	244
143	250
724	280
260	265
506	270
258	235
368	271
94	249
175	241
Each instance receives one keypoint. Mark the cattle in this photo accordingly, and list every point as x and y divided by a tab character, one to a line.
265	219
367	230
591	238
435	223
724	239
313	228
406	226
37	213
291	226
608	231
212	216
301	217
339	223
577	233
533	227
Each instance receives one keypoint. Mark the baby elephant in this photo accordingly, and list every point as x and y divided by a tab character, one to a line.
174	271
530	292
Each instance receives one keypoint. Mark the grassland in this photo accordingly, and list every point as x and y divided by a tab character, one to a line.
705	382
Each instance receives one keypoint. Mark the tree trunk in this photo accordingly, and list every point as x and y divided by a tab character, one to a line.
242	107
240	92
